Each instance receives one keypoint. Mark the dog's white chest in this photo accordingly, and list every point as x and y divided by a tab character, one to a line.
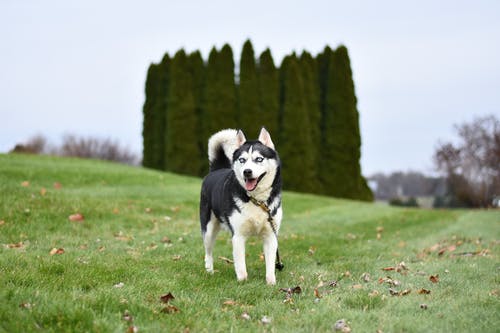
251	220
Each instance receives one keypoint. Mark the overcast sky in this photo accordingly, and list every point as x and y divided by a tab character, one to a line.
419	66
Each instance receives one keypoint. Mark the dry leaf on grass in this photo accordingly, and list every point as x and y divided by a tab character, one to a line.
290	292
167	298
43	191
227	260
341	326
394	292
25	183
245	316
57	185
56	251
76	217
127	317
434	278
424	291
170	309
19	245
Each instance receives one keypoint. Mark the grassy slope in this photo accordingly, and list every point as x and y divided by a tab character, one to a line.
129	210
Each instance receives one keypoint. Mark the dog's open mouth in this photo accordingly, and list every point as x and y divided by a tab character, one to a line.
251	183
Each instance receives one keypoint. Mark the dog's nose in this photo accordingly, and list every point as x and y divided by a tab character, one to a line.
247	173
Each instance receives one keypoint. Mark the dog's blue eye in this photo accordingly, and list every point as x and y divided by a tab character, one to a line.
242	160
259	159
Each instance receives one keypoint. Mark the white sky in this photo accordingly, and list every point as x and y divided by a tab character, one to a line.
419	66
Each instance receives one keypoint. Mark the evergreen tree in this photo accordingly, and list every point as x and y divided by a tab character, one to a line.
155	110
249	113
220	93
295	140
269	92
197	70
309	73
148	113
342	141
182	147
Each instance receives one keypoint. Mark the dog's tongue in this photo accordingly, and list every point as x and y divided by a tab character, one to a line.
251	184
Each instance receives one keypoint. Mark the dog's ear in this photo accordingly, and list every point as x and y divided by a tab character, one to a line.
240	138
265	138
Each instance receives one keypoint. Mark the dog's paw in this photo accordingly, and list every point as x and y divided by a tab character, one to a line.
271	280
241	276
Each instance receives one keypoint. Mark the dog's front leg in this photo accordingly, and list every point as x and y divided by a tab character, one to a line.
239	257
270	247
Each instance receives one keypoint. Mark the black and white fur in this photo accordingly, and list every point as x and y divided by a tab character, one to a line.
240	169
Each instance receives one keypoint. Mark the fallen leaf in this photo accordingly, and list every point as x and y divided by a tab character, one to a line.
43	191
245	316
170	309
147	210
312	250
121	237
389	281
357	286
316	293
127	317
389	269
176	257
401	267
230	302
434	278
25	183
2	222
25	305
132	329
166	240
380	229
341	326
56	251
167	297
295	290
423	291
373	293
366	277
227	260
19	245
116	210
57	185
76	217
347	274
394	292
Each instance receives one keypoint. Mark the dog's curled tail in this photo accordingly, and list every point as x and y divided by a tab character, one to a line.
221	147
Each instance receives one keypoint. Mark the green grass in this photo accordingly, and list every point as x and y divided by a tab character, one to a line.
128	211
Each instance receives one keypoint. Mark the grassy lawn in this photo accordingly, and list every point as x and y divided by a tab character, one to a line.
139	239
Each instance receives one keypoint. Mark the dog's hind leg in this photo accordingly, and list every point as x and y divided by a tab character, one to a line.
209	236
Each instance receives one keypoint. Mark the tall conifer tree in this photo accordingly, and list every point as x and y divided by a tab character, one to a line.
220	93
309	73
269	92
182	147
249	113
295	140
156	109
342	136
148	120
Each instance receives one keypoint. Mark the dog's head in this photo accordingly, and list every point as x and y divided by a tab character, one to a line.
255	163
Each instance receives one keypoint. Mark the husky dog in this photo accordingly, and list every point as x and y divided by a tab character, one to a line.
242	193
